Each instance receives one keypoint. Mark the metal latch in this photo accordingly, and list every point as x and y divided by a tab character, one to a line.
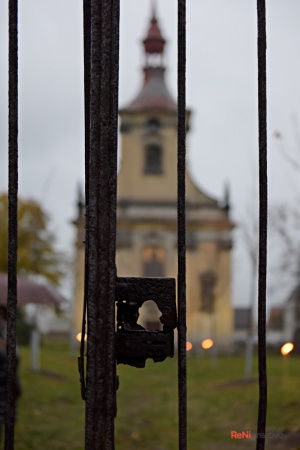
134	344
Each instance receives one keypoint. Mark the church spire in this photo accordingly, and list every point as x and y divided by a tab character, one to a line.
226	202
154	42
154	94
153	8
80	201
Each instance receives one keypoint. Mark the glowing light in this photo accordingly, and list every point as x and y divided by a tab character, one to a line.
189	346
287	348
78	337
207	343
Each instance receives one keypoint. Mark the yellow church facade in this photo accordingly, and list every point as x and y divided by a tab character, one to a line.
147	213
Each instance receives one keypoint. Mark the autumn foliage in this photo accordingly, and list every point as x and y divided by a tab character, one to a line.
36	243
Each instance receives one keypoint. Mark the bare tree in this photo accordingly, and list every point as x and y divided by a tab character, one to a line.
284	220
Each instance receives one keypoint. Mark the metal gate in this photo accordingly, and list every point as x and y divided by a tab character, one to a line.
102	286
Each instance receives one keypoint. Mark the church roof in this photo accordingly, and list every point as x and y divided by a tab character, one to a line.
154	94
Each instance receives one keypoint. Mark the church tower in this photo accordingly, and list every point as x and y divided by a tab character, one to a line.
147	210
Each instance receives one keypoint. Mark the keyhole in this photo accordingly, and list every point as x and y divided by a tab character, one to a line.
149	316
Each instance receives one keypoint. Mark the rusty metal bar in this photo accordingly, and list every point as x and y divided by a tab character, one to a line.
87	86
113	162
181	296
101	233
263	210
11	357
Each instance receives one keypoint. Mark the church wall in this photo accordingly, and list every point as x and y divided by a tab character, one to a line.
129	259
206	255
224	317
218	323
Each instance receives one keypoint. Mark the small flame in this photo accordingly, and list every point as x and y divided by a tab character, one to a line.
207	343
287	348
189	346
78	337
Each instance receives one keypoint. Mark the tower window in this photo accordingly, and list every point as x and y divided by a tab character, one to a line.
153	159
153	125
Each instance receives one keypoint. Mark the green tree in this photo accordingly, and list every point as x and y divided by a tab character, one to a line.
36	252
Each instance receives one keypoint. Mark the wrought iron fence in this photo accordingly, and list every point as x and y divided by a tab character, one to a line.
102	286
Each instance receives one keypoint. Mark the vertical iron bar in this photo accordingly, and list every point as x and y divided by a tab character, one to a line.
113	160
12	226
181	71
101	217
87	86
263	209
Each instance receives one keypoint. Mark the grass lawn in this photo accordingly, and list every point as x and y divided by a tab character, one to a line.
51	412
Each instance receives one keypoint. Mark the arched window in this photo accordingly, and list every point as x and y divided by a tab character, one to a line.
153	159
154	262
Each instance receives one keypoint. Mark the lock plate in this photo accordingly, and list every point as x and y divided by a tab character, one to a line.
134	344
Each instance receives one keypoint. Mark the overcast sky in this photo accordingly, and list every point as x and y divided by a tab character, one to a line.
221	92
